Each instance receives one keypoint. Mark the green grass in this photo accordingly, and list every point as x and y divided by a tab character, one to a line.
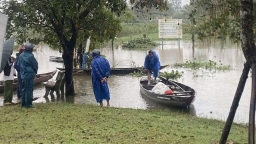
70	123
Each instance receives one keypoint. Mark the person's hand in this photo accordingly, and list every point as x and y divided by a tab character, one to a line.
13	59
104	80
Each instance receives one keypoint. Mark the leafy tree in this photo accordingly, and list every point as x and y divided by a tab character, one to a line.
128	16
176	4
234	19
217	19
63	23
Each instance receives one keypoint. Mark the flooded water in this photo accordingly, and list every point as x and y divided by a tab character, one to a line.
215	91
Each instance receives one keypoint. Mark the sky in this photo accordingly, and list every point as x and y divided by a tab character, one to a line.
184	2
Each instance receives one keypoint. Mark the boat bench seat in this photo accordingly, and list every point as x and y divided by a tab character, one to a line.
57	85
148	87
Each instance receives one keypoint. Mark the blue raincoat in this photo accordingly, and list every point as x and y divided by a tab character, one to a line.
152	64
84	60
100	69
17	67
28	70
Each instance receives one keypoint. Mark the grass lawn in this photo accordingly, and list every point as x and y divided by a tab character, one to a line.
69	123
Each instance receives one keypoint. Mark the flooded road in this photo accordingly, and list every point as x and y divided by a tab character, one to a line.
215	91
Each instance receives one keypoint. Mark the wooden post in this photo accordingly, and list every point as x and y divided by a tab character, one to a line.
179	42
238	94
162	43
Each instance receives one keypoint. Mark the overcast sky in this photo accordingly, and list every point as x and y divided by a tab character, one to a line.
184	2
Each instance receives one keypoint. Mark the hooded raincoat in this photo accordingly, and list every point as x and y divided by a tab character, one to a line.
17	67
152	64
100	69
28	70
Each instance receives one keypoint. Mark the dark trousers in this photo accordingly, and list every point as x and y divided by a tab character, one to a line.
19	87
27	92
8	91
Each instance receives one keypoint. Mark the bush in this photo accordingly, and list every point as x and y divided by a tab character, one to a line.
140	43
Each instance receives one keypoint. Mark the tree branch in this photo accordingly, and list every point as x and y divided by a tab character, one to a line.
84	14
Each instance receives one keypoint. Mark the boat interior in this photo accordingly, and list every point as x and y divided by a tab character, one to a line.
173	86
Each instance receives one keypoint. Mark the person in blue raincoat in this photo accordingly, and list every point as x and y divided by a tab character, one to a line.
100	73
152	65
28	70
17	67
84	60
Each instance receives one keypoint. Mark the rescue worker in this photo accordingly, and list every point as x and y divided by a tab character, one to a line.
17	67
28	70
100	73
152	65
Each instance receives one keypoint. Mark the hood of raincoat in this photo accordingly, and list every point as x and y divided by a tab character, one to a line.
29	47
95	52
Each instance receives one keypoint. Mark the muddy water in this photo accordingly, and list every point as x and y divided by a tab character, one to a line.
215	90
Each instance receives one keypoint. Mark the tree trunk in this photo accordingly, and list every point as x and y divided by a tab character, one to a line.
252	107
238	94
193	45
68	62
193	39
248	47
68	52
247	36
67	56
112	43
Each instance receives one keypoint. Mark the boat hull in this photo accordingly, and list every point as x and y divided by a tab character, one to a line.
39	78
114	71
182	99
56	59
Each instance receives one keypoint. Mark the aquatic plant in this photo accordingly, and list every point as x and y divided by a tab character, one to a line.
140	43
172	75
138	73
203	64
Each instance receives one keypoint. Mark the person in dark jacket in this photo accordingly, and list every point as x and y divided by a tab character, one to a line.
100	73
28	70
17	67
152	65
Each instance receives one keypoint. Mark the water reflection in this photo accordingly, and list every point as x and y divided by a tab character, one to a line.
215	91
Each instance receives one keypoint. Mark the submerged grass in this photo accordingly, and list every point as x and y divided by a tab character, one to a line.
70	123
195	64
152	36
172	75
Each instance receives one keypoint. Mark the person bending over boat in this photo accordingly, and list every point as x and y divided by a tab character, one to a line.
100	73
9	73
28	70
17	67
152	65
